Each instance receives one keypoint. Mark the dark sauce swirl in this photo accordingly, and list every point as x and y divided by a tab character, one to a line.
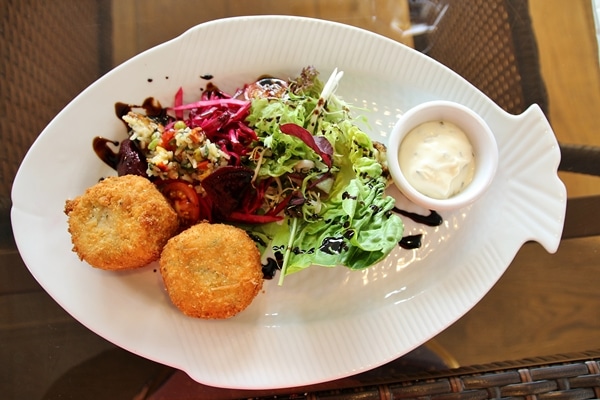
151	106
433	219
411	242
128	159
104	152
270	268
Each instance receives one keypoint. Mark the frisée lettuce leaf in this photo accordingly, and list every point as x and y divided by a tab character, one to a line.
339	213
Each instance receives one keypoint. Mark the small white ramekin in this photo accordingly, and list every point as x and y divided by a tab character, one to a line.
478	132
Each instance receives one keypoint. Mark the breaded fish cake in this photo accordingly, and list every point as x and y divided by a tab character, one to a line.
120	223
211	271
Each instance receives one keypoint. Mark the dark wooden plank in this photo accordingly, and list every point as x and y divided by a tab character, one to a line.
582	217
47	354
16	278
544	304
30	309
65	360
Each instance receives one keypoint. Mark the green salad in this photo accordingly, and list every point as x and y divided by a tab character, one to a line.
283	159
345	217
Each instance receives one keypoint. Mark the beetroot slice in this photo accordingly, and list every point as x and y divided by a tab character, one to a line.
131	161
226	188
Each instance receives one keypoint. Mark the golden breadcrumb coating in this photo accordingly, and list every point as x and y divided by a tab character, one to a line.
120	223
211	271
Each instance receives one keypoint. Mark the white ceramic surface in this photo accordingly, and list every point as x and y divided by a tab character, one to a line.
479	135
323	323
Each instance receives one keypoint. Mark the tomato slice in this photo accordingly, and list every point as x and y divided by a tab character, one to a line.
183	199
166	138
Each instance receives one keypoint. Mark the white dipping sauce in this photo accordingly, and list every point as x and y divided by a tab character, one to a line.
437	159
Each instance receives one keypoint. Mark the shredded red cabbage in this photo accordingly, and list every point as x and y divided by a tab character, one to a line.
222	119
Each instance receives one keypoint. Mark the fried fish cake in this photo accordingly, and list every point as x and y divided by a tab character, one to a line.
120	223
211	271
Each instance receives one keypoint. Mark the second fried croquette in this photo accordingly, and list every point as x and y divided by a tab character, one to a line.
211	271
120	223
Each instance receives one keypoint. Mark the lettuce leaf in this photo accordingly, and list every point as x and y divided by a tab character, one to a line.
357	231
349	224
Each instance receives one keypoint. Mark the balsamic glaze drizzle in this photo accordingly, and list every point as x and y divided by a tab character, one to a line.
433	219
270	268
414	241
411	242
104	152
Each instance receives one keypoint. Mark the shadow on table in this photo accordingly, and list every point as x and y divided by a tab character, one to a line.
117	374
113	374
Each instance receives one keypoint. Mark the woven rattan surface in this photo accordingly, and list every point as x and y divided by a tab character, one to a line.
42	69
570	376
575	376
492	45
